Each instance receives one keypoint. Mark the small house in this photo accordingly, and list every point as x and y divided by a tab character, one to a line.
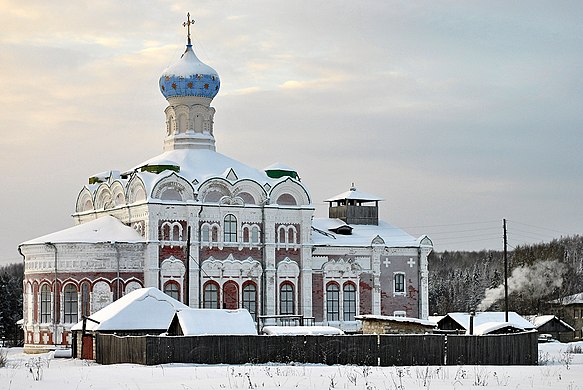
142	311
570	308
553	326
460	322
377	324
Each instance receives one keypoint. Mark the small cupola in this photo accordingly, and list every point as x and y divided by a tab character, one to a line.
355	207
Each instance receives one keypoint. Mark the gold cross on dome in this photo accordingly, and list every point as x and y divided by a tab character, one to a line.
187	25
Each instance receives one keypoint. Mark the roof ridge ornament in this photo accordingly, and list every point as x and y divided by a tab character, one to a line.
187	25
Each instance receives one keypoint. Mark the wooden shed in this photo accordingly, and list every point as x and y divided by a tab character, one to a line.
552	325
143	311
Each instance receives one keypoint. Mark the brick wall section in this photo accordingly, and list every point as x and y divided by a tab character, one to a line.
293	254
166	251
365	289
318	297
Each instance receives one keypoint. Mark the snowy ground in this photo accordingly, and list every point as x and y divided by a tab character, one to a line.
559	369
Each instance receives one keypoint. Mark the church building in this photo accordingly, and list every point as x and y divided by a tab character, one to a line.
213	232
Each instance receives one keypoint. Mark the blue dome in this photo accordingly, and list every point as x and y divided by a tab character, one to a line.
189	77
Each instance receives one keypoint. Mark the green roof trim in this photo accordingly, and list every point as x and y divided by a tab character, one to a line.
159	168
277	173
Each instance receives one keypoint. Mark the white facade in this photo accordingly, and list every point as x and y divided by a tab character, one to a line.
215	233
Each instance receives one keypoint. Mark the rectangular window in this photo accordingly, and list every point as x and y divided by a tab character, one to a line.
211	296
250	299
286	299
45	304
70	305
399	283
230	229
332	302
349	302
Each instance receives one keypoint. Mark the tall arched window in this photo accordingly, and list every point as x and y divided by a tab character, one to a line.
230	229
70	301
291	235
205	233
172	289
250	299
254	234
332	302
230	295
211	296
399	283
45	304
349	302
286	299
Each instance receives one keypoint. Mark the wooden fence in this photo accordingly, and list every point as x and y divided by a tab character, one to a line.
369	350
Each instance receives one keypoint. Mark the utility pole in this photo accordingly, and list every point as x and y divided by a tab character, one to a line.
505	272
187	275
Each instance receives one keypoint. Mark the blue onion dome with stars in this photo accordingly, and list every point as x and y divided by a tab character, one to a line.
189	76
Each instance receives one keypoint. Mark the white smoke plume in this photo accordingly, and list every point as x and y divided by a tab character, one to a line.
536	280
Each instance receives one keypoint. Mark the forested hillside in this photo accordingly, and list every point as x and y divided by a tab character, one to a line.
11	302
463	281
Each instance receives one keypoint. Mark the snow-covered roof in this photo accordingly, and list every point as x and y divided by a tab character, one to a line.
142	309
279	167
410	320
362	235
575	299
539	321
104	229
196	322
463	319
301	330
354	194
489	327
202	164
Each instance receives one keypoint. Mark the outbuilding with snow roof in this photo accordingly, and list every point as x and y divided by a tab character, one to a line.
551	325
460	322
140	312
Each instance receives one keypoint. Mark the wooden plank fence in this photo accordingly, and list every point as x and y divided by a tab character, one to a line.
505	349
365	350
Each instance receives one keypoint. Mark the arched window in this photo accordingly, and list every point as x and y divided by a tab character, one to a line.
70	302
245	232
286	299
291	235
45	304
349	301
205	233
172	289
215	234
250	299
332	302
211	296
230	228
282	235
399	283
230	295
176	232
254	234
166	231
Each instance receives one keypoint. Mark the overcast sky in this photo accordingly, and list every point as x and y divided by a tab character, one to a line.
457	113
